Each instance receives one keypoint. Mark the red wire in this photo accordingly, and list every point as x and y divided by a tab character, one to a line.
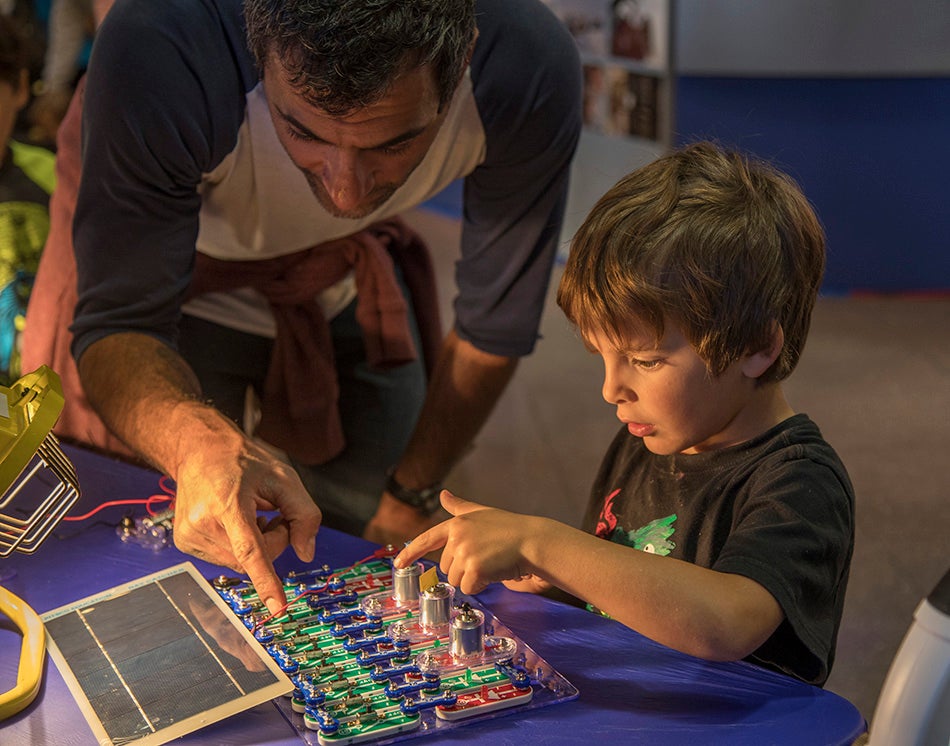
378	554
147	502
165	484
159	498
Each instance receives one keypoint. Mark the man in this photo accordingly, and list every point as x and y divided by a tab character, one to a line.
201	149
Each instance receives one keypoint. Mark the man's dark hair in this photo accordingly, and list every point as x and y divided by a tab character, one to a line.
343	55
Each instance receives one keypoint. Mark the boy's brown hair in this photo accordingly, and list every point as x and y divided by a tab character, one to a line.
721	244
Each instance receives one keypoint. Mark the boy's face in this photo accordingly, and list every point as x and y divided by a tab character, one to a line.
666	396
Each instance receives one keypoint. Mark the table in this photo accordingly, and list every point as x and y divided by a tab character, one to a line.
632	690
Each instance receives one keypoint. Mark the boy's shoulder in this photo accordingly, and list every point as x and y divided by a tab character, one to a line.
783	463
797	439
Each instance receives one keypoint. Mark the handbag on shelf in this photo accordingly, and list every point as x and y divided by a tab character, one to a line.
631	31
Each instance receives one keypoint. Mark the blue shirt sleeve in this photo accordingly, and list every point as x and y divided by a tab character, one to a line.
164	100
526	74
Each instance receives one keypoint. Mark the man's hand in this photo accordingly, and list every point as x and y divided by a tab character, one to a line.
223	479
482	545
396	523
221	488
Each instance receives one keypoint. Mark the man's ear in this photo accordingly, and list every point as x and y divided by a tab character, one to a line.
471	51
465	63
755	364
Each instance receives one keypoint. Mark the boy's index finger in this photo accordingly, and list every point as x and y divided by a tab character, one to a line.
456	505
424	543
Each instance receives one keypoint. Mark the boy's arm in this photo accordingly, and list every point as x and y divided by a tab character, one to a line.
711	615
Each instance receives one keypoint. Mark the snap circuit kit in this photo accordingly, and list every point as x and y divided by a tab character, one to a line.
378	654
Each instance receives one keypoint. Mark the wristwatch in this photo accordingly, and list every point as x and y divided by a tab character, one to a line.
425	500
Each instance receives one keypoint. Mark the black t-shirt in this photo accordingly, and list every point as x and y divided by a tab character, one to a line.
778	509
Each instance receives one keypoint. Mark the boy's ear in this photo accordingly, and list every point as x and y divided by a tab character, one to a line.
755	364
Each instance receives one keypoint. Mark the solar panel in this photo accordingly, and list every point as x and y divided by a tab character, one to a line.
159	657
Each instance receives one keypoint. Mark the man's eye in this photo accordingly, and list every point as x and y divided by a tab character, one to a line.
397	149
298	135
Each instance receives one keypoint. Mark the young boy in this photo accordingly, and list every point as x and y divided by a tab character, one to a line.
694	279
26	181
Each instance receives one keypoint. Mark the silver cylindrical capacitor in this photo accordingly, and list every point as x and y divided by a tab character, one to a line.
406	583
468	632
435	605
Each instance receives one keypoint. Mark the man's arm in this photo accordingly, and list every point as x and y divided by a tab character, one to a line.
466	383
150	398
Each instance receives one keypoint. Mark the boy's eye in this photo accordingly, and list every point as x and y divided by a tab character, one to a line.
645	364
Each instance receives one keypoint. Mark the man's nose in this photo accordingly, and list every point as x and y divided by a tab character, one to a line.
347	179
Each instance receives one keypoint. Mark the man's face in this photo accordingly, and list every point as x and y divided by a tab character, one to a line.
355	162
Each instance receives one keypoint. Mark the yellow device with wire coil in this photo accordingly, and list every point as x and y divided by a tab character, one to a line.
38	486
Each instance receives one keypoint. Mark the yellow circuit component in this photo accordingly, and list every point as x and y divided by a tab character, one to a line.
38	484
30	670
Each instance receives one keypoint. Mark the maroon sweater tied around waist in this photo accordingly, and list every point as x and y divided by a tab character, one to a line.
299	411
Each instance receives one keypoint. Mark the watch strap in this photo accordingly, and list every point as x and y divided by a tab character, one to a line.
425	500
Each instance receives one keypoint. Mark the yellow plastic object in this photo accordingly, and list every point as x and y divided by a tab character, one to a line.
38	484
30	671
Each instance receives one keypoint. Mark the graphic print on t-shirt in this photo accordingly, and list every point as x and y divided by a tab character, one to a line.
654	537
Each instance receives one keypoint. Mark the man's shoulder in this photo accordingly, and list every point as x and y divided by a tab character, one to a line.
173	66
518	36
206	33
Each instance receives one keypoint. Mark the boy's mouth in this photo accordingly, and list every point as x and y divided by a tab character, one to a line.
639	429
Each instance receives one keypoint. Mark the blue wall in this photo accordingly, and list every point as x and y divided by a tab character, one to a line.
873	155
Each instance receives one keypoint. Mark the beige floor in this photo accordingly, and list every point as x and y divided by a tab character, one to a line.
875	376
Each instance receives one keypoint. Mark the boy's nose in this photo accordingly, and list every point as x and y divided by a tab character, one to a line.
614	390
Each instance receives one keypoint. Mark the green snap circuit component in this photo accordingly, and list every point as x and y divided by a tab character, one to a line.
378	654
